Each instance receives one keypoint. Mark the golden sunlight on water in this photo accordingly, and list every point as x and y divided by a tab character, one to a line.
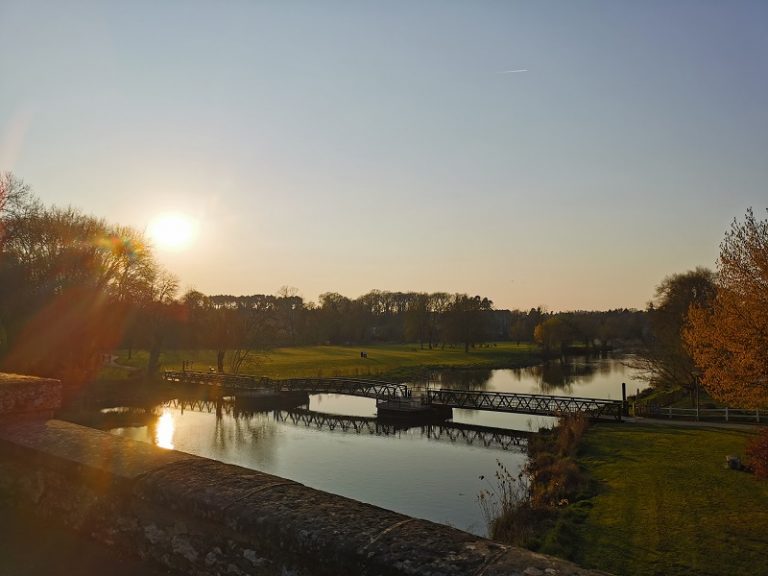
165	429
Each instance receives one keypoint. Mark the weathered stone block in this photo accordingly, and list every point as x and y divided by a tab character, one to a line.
28	397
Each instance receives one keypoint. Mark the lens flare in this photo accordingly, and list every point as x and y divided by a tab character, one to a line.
173	231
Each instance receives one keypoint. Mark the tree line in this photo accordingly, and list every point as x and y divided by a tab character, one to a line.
74	287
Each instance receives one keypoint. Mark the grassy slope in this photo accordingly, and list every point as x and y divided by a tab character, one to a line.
668	506
395	360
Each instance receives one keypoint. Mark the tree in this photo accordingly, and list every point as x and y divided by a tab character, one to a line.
255	329
66	284
554	332
665	359
729	340
14	195
417	319
465	321
160	314
239	327
290	308
439	302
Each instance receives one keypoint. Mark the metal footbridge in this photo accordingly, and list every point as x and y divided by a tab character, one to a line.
398	397
538	404
351	386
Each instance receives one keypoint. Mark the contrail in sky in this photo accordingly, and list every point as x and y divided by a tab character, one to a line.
513	71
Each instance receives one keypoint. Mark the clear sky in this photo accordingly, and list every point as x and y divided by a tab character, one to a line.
347	146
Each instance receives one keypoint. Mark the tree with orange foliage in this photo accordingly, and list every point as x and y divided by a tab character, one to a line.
729	341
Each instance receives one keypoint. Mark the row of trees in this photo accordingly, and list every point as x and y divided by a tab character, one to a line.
237	326
711	328
562	331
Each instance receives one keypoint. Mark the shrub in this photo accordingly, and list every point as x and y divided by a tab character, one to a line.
570	430
502	499
554	481
757	454
521	510
522	526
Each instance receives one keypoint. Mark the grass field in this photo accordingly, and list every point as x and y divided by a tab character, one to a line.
392	360
667	506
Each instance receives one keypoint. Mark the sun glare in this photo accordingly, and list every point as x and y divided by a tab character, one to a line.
164	431
173	231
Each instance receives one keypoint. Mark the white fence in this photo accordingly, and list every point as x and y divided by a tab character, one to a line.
719	414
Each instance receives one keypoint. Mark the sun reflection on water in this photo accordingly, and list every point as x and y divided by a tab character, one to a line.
165	429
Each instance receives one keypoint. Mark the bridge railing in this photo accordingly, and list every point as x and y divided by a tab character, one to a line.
218	379
540	404
338	385
351	386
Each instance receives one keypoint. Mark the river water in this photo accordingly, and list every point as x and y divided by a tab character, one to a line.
336	444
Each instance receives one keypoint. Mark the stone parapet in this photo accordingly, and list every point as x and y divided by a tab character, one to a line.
203	517
25	397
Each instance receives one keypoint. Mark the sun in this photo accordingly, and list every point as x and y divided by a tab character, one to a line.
172	231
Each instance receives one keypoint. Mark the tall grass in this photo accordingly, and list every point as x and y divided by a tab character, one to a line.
525	510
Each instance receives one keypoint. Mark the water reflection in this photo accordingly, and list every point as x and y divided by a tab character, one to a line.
451	432
559	376
164	430
475	379
590	376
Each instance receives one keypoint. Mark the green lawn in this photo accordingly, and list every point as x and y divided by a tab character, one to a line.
392	360
667	506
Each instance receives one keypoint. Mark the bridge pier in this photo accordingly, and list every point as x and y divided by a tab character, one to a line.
412	410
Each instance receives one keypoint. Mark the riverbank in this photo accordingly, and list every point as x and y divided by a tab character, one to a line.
395	361
666	504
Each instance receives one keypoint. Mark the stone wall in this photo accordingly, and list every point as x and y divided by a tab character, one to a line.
202	517
24	397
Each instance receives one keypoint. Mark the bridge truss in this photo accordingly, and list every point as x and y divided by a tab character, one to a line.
350	386
445	431
539	404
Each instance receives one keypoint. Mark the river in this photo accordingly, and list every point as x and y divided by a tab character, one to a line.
336	444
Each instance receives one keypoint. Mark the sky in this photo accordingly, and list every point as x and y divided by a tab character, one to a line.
559	154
